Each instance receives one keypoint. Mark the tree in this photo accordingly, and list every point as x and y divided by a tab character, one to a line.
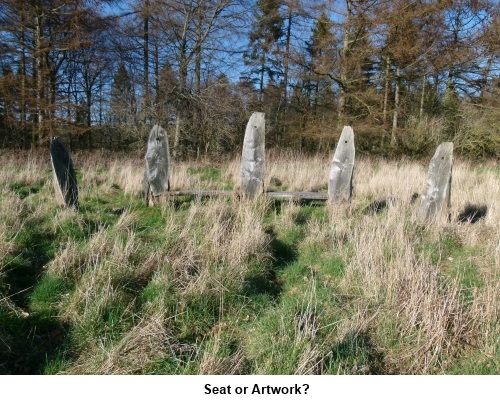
321	51
87	69
267	29
407	46
356	61
189	28
123	102
465	22
43	37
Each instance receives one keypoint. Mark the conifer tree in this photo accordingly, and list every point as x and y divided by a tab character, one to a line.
123	102
321	51
267	29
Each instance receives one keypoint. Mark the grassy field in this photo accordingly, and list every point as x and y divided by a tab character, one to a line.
221	286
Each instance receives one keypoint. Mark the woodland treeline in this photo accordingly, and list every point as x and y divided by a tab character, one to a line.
406	74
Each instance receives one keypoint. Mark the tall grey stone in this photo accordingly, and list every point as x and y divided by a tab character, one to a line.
341	172
252	162
156	176
436	196
65	184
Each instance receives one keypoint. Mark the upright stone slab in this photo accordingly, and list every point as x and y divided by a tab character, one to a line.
252	162
156	176
340	178
65	184
437	190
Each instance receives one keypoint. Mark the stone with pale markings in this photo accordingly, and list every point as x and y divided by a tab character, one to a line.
65	184
341	172
252	162
156	176
436	197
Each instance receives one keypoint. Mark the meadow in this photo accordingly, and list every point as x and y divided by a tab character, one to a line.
228	286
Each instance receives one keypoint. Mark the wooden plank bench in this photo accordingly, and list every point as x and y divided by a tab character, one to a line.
291	195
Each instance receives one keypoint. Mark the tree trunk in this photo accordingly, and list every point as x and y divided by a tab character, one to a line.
88	106
448	93
343	62
486	75
386	88
39	58
23	70
422	97
157	70
286	62
197	58
261	84
100	101
396	108
145	85
196	111
52	102
181	97
177	136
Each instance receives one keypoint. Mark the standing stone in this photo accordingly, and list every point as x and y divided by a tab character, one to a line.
252	162
64	174
437	190
156	176
340	179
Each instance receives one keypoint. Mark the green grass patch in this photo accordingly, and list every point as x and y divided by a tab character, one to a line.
456	261
101	321
24	190
476	363
206	173
210	175
59	363
46	296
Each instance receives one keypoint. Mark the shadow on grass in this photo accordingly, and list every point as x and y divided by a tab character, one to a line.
283	254
30	343
29	338
277	204
35	250
357	354
472	213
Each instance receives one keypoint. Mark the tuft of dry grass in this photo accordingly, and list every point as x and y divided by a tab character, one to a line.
142	346
218	243
212	363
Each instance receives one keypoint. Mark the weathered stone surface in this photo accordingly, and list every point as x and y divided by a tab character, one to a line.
148	197
252	162
65	184
341	172
437	190
156	176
